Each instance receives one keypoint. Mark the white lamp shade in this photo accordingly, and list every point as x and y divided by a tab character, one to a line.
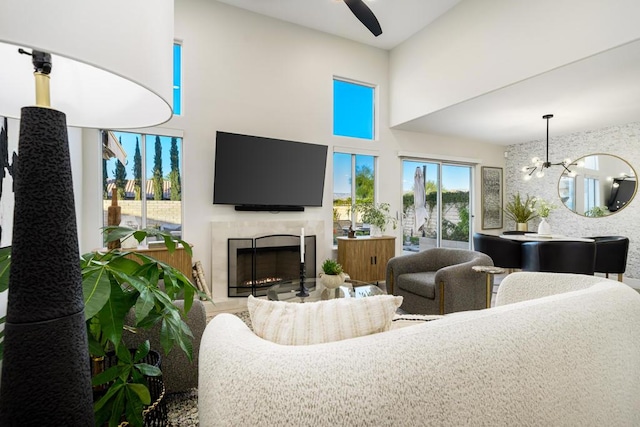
112	60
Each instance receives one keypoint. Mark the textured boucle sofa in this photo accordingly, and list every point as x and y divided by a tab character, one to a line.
557	350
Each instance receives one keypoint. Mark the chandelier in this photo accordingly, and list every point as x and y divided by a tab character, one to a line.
538	166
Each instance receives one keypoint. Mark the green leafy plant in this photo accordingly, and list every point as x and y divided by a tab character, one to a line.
114	283
330	266
519	210
544	208
596	212
375	214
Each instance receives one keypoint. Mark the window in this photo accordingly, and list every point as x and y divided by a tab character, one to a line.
353	109
177	79
346	189
591	193
436	205
148	184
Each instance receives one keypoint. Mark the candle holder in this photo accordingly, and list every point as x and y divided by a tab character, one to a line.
303	292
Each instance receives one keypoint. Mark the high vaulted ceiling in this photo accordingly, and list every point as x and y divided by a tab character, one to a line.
593	92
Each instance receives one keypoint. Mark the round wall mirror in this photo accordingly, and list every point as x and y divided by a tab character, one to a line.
597	185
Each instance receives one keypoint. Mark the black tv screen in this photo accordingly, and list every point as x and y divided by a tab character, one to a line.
258	173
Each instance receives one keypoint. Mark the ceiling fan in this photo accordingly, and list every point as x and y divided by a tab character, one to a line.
365	15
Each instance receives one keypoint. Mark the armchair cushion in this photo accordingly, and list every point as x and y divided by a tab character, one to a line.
422	284
291	323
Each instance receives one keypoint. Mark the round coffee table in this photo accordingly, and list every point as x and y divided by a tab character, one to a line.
286	291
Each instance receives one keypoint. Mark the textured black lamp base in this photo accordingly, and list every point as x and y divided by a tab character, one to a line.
46	378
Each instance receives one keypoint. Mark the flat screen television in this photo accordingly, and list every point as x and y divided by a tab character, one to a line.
265	174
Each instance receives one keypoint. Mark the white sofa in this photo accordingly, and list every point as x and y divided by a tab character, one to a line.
557	350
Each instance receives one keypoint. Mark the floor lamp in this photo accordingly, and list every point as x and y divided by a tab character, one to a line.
97	65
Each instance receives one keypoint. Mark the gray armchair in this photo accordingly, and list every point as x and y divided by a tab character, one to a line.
438	281
178	373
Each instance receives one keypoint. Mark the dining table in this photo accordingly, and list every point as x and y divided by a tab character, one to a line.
535	237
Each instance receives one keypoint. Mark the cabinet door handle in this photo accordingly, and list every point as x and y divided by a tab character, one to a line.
371	260
375	260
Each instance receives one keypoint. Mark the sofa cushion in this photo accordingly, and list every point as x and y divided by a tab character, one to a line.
422	284
323	321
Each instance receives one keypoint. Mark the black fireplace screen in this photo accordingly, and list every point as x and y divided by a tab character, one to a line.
256	264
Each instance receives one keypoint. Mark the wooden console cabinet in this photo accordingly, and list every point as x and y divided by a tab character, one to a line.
179	259
365	258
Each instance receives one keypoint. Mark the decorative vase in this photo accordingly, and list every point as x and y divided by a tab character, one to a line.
522	226
544	227
332	281
375	231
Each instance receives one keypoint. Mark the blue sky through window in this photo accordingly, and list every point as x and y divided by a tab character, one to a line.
177	79
353	109
128	141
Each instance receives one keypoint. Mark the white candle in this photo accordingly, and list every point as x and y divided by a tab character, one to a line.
302	245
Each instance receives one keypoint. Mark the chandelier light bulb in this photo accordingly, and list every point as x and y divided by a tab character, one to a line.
572	174
540	174
567	161
526	177
580	164
535	160
525	169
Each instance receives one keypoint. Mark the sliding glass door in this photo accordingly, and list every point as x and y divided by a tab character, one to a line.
436	205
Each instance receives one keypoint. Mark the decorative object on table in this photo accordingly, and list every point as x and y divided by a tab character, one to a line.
521	211
303	291
544	208
114	214
539	166
90	82
491	197
332	275
376	215
351	233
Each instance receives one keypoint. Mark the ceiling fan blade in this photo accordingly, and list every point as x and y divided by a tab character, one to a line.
365	15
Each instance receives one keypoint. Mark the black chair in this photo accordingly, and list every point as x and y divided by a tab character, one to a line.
559	257
504	253
611	255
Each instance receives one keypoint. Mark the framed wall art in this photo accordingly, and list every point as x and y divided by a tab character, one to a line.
491	197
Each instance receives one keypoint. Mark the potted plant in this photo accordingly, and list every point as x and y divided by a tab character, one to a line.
544	209
377	215
114	283
521	211
332	275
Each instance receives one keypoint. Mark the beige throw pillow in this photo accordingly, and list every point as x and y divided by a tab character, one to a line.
291	323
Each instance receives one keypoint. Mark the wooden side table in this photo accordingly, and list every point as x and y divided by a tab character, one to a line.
490	271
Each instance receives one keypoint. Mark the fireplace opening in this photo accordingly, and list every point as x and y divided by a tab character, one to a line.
256	264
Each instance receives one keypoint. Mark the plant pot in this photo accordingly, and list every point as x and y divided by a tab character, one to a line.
332	281
544	227
522	226
375	231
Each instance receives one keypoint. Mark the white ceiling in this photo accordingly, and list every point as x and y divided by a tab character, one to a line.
399	19
595	92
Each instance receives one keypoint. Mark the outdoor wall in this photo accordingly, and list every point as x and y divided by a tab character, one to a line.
158	211
622	141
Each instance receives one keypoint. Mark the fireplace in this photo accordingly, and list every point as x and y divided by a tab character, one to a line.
258	263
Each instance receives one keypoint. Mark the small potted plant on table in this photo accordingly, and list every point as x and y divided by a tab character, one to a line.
332	275
521	211
376	215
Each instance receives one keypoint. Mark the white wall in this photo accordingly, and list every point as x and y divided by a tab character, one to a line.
247	73
432	70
